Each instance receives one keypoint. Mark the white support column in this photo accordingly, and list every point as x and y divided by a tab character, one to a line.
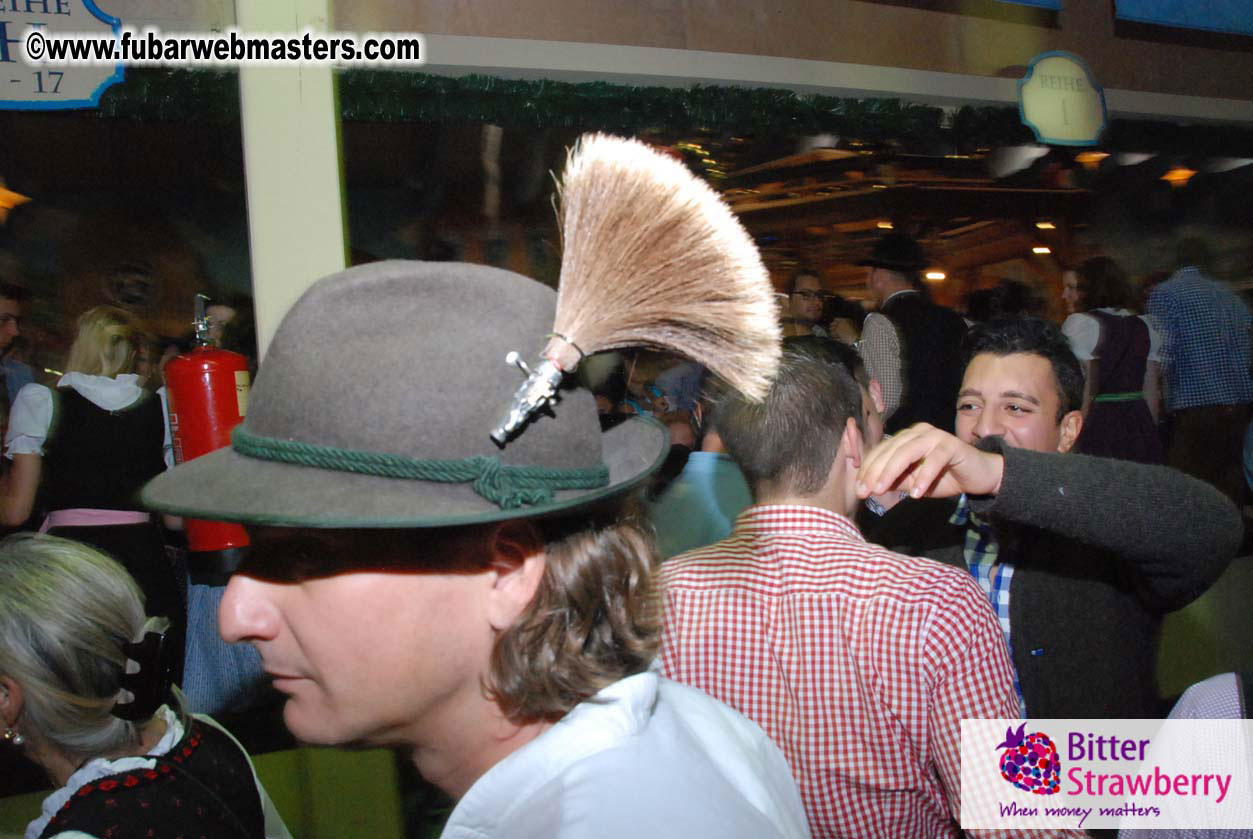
290	120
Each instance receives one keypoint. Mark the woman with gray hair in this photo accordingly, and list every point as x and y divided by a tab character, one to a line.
85	694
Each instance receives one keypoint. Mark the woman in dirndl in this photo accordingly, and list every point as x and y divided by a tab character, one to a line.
1120	352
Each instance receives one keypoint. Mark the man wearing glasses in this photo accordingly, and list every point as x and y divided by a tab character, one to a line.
805	302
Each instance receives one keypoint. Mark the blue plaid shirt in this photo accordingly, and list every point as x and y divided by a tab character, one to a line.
980	551
1205	341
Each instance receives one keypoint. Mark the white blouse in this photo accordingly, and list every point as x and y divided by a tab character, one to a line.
31	415
1084	331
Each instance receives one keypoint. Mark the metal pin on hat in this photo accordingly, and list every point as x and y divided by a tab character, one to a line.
539	389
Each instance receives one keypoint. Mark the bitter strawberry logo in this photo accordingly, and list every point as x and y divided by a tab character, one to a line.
1030	762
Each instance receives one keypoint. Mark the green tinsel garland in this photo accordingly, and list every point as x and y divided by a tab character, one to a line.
389	96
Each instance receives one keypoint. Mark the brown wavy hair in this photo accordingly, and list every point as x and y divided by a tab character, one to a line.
1102	283
594	619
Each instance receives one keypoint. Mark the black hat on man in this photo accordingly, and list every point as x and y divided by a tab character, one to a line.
897	251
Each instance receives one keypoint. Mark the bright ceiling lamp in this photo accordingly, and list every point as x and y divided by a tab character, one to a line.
1178	176
9	200
1090	159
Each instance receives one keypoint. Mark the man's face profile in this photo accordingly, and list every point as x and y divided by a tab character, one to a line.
367	643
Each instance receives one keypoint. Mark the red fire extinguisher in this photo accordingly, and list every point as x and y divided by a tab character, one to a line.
207	390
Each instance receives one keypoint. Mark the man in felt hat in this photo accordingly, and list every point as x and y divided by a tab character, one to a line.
911	345
491	608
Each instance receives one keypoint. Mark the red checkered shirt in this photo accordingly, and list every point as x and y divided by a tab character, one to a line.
859	662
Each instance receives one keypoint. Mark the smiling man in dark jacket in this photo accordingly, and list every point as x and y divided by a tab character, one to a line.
1079	556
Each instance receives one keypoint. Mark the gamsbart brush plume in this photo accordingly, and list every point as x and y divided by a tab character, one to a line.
652	257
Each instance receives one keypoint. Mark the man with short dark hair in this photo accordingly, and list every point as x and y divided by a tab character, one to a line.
1071	551
911	345
847	356
806	299
843	652
489	609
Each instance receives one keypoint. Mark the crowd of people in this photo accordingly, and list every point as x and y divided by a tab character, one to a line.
747	618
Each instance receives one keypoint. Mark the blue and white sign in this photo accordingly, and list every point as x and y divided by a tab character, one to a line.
1060	101
43	87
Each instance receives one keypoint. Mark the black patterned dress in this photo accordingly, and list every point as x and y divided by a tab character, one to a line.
202	788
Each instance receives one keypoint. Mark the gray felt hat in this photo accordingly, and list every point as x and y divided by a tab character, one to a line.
375	402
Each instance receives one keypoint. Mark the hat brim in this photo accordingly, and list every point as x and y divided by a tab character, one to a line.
227	486
891	266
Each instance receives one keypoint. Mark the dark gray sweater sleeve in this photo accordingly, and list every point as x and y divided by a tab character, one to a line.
1177	532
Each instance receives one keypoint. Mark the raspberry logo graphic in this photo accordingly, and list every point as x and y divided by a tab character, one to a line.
1030	762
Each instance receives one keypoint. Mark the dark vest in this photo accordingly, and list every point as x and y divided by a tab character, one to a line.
202	789
100	459
931	361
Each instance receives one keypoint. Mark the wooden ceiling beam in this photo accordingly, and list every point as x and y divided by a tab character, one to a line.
912	202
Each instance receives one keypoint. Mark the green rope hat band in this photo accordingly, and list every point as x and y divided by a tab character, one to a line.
510	487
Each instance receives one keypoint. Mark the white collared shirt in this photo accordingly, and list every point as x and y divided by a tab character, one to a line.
897	293
645	757
31	416
1084	332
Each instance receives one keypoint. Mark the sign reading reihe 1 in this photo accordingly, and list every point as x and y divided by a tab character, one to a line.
1060	101
25	86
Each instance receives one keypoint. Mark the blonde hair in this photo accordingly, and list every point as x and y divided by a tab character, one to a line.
65	611
107	340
